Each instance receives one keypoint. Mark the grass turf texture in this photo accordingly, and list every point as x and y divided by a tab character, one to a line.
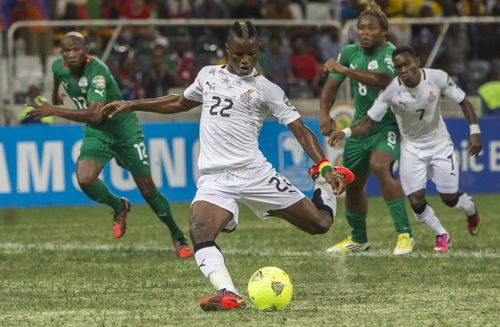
60	266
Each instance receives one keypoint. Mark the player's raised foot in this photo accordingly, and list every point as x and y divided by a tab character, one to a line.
182	249
223	300
120	220
441	245
404	245
348	246
474	223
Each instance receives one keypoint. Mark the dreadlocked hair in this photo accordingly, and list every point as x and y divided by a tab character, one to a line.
244	30
373	9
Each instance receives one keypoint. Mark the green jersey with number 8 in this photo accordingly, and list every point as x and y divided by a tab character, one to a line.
97	84
379	61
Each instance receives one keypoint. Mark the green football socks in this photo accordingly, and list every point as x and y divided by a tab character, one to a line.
100	193
161	208
358	226
399	216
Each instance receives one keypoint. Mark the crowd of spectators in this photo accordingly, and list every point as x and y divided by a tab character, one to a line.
148	60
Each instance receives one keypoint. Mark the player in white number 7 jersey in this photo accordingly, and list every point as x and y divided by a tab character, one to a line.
235	100
426	148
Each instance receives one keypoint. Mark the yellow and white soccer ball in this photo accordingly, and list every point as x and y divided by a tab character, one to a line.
270	289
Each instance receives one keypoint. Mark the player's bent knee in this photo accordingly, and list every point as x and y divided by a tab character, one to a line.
322	225
85	181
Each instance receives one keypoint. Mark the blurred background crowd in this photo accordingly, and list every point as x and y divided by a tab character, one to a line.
148	61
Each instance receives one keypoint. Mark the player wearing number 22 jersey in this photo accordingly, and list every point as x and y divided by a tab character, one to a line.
234	101
90	85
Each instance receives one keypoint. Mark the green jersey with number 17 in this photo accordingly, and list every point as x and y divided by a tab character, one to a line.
380	61
96	84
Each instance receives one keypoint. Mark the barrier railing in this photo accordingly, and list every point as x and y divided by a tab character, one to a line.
119	23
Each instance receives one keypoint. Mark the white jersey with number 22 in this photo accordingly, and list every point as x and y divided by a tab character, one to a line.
234	109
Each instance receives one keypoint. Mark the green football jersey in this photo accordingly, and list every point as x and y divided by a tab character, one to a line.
380	61
97	84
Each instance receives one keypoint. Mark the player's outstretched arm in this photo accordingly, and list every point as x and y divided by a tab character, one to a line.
169	104
92	114
475	134
311	146
376	79
326	100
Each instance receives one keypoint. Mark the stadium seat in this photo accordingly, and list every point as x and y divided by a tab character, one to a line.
317	10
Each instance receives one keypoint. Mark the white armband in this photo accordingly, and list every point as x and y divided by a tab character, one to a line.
348	132
474	129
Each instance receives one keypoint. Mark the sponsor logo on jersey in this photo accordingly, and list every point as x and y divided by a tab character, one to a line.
372	65
100	92
247	96
99	82
211	86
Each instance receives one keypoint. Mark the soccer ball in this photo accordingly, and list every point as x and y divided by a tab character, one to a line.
270	289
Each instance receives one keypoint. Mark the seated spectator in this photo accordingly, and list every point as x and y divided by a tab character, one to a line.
248	9
329	43
183	59
158	79
128	78
136	9
276	64
178	8
305	67
278	9
210	9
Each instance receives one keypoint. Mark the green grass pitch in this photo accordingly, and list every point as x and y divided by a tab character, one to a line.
60	267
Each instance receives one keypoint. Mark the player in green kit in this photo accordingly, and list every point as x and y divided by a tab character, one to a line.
368	64
90	85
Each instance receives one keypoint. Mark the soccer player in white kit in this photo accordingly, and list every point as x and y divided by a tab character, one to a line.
235	100
426	148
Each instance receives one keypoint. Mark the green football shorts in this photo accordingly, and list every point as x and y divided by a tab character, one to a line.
357	150
130	154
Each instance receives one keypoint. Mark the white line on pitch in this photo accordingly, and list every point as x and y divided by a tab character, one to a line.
25	247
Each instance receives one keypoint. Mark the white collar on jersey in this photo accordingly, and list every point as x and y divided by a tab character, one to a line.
423	77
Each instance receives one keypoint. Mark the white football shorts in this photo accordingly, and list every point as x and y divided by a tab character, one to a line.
259	187
438	163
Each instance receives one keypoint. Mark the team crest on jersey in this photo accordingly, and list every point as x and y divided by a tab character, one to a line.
83	83
247	96
99	82
372	65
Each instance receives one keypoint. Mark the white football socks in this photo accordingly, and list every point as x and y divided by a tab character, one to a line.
466	205
211	263
429	218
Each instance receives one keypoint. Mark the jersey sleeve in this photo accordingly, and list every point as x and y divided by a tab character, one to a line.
277	102
382	103
194	91
343	59
99	79
449	88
